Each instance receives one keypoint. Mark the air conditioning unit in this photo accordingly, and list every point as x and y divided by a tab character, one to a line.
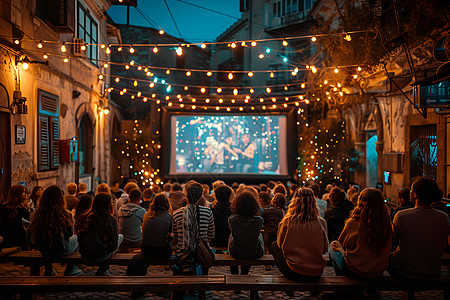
76	48
393	162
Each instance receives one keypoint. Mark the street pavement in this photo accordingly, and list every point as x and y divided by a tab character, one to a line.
9	269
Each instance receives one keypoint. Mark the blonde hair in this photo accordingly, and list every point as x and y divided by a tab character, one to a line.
303	207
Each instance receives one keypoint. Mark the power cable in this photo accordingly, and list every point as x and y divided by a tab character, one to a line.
173	19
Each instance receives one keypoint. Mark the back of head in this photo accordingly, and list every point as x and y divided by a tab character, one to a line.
316	189
303	207
135	195
147	194
84	205
279	188
263	187
205	189
159	204
166	187
130	186
103	188
372	210
194	191
156	189
350	193
52	199
354	198
222	193
292	188
102	204
82	187
329	187
246	204
71	188
426	190
279	200
337	196
217	183
176	187
264	199
403	195
271	184
15	196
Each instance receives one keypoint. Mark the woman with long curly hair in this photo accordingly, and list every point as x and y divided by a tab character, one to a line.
51	230
156	236
301	239
98	233
33	200
365	243
83	206
12	211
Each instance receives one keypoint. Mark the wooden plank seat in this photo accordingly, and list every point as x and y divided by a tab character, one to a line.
328	283
35	260
111	284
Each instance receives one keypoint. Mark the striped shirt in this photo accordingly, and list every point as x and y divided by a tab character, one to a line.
206	230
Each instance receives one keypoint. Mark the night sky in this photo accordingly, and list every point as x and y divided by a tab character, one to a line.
195	24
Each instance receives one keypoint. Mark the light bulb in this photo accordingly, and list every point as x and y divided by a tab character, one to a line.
168	71
161	31
108	51
202	90
268	90
250	74
83	47
261	56
243	43
188	73
45	56
219	90
135	83
233	45
313	39
117	79
179	51
63	48
203	46
285	43
25	65
253	43
155	49
336	70
235	92
252	91
119	49
39	45
66	60
131	50
272	75
209	74
230	76
105	65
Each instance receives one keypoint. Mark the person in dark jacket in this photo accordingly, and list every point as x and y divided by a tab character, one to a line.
12	211
246	241
403	201
221	212
338	213
177	198
98	237
51	229
272	215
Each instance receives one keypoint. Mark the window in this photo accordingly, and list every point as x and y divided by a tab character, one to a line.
48	132
423	151
88	31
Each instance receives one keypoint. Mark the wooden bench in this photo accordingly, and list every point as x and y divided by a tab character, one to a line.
329	283
35	260
110	284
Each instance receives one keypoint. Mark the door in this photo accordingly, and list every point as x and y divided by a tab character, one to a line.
5	155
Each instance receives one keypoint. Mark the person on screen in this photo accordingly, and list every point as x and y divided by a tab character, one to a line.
247	155
225	157
209	154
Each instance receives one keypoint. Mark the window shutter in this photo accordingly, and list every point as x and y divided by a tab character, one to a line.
44	143
55	143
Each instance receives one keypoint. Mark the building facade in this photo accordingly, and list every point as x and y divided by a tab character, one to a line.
54	112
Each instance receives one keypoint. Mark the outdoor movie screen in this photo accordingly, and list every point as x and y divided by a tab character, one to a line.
242	144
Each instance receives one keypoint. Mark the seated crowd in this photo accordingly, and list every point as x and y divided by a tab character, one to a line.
296	224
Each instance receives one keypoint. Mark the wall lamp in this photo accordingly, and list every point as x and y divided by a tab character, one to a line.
19	104
25	61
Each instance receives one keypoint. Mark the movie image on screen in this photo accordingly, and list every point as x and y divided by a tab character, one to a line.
241	144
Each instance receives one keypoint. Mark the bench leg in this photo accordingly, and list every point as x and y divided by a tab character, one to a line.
254	295
408	295
202	295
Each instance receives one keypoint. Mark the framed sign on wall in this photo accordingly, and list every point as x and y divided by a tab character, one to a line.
21	134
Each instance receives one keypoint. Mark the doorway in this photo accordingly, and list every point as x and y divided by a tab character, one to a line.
371	159
5	155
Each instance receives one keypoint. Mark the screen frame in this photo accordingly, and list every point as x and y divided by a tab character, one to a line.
291	150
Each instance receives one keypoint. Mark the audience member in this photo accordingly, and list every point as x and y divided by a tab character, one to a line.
246	241
82	189
177	198
206	195
12	211
83	206
263	187
350	192
302	239
403	201
51	230
264	199
116	190
131	216
281	189
33	200
363	248
71	200
272	215
354	199
125	197
326	196
156	189
147	197
98	237
166	188
221	212
216	184
421	234
156	237
321	204
338	213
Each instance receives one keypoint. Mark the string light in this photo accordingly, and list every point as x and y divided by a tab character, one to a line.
336	70
66	60
39	45
108	51
45	56
155	49
233	45
285	43
313	39
188	73
261	56
179	51
209	74
119	49
219	90
230	76
253	43
161	31
203	46
63	48
271	75
250	74
131	50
